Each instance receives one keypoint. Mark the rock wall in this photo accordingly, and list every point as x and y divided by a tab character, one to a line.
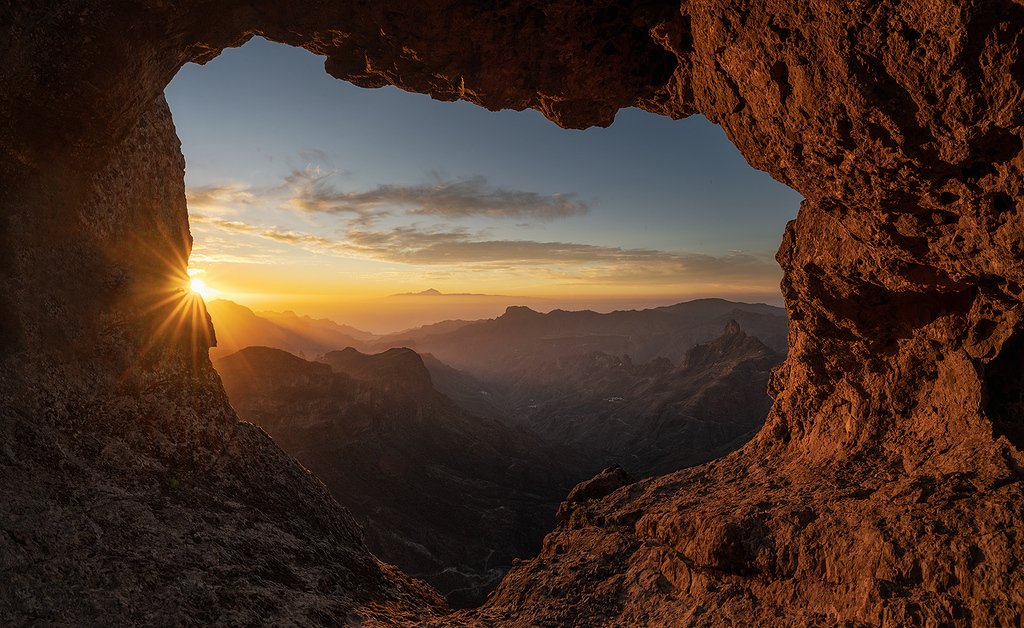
885	488
130	494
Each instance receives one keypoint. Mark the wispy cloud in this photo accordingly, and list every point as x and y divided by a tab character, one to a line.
315	155
202	257
317	191
217	197
415	245
276	234
447	198
460	247
390	223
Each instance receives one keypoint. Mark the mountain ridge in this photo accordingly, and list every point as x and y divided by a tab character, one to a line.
240	327
651	418
487	347
449	497
237	326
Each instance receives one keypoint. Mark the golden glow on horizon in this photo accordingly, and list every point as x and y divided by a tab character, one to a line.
285	244
258	257
387	314
359	293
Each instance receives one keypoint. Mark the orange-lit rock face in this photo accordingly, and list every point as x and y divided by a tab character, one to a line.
886	484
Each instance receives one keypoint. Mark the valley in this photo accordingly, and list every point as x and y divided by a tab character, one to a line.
454	474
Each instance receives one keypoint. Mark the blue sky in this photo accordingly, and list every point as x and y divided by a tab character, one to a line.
302	187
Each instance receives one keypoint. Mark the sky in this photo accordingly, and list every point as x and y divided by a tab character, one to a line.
310	194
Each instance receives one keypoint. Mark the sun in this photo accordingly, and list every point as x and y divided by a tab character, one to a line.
199	286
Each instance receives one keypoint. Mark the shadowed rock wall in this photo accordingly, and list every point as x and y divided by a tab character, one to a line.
885	488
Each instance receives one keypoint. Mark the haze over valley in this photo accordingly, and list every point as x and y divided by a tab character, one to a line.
454	443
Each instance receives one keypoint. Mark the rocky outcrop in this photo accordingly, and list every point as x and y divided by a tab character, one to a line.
885	488
587	493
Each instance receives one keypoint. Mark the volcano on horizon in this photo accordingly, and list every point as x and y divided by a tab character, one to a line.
431	292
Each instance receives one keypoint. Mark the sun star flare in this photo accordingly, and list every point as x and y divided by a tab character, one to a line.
199	286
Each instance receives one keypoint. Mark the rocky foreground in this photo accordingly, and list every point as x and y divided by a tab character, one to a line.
885	488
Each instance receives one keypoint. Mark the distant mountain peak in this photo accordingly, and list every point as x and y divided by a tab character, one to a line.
398	367
518	310
429	292
732	327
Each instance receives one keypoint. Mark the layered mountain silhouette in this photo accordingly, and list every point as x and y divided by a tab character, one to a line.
455	461
452	487
447	496
482	398
634	387
652	418
522	336
292	320
239	327
520	332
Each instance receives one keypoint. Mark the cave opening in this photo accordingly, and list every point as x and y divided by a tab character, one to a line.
312	191
867	114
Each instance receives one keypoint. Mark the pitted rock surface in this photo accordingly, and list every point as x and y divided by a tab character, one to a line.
885	488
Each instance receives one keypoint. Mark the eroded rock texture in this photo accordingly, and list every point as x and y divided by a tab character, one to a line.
885	488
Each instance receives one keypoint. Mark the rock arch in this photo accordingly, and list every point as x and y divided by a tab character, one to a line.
882	490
